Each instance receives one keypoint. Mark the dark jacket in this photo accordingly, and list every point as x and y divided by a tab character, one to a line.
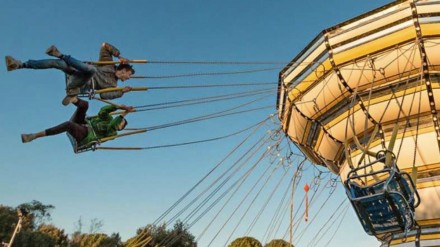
105	75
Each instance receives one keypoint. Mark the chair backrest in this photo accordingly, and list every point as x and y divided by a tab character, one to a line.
84	90
91	146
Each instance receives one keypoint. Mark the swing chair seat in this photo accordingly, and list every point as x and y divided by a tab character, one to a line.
381	212
386	206
84	92
91	146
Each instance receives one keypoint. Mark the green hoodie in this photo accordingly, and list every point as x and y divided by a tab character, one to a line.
103	125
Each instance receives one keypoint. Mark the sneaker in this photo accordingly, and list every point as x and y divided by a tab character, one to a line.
73	91
12	64
68	99
27	137
53	51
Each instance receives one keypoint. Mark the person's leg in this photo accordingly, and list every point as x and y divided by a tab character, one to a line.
29	137
45	64
13	64
83	72
82	68
76	126
76	130
79	116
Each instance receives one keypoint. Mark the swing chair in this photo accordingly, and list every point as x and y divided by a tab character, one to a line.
94	145
385	199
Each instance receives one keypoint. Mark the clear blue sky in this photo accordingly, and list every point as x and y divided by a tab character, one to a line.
129	189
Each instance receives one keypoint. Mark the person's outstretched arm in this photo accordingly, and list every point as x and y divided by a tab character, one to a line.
108	51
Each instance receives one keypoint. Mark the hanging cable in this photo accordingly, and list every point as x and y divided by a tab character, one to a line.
314	217
214	85
161	217
266	203
199	141
250	152
202	100
219	62
192	213
272	229
318	236
242	180
223	113
339	225
208	74
258	193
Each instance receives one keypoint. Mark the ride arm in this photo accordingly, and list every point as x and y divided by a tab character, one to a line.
107	93
113	126
111	95
107	52
105	111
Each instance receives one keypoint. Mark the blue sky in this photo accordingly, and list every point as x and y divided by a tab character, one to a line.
129	189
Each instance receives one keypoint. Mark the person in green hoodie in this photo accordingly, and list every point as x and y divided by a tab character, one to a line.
87	130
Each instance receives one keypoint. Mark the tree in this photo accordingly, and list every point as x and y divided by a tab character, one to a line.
38	213
96	240
8	221
93	238
278	243
246	242
180	236
95	225
113	241
61	239
153	235
30	238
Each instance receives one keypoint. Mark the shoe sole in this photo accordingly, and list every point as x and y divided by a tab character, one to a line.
9	65
23	139
66	101
52	50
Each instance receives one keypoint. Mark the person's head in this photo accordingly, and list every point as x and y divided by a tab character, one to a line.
124	71
122	124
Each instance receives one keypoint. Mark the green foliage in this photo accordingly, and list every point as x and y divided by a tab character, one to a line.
58	235
246	242
93	238
113	241
38	213
35	232
152	235
95	225
278	243
96	240
8	220
29	238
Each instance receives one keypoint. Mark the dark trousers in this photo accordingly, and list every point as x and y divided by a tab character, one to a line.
76	125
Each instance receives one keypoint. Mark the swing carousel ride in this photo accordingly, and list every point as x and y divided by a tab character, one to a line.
362	99
357	109
359	102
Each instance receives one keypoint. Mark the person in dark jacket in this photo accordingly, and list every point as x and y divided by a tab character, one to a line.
87	130
82	75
